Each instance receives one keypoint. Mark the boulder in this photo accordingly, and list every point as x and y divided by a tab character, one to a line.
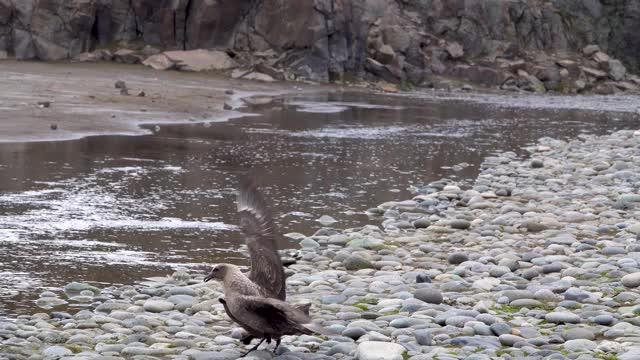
530	83
159	62
385	54
626	86
564	73
514	65
607	88
398	38
590	50
595	73
549	74
617	70
258	77
376	68
478	74
455	50
206	24
127	56
271	71
201	60
600	57
571	66
95	56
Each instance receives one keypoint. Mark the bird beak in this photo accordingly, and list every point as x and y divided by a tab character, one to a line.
209	277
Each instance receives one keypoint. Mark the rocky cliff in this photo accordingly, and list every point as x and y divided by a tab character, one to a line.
395	40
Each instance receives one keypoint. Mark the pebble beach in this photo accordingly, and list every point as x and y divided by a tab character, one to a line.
538	259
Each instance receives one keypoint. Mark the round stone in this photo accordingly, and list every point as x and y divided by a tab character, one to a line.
309	243
429	295
631	280
500	328
578	333
498	271
357	263
460	224
509	340
346	349
47	294
378	350
422	278
56	352
78	287
579	345
537	164
182	302
158	306
354	332
528	303
562	318
421	223
605	320
457	258
424	337
458	321
576	294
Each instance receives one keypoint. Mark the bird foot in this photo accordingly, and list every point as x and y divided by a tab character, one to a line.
253	348
277	345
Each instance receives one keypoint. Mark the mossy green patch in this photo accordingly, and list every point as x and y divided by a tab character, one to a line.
604	356
392	312
563	87
407	85
369	300
363	307
74	348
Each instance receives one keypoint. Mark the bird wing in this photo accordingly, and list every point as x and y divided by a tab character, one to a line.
247	327
273	316
258	227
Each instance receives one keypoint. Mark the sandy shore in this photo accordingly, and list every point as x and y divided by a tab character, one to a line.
84	100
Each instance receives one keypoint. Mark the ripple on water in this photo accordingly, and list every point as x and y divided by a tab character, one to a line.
96	201
333	107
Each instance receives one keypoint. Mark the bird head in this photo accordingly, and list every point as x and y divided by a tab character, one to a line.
218	272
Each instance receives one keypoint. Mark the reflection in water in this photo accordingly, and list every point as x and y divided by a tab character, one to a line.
116	209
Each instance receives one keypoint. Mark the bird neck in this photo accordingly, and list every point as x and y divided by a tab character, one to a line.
237	282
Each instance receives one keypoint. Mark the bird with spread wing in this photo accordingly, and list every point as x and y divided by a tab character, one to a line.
256	301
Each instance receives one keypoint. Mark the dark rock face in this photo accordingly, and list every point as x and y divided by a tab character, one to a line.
326	39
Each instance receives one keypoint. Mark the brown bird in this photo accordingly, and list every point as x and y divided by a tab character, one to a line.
262	317
256	301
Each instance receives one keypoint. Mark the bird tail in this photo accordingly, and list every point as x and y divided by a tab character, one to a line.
304	308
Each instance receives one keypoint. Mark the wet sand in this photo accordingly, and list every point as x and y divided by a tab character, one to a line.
84	100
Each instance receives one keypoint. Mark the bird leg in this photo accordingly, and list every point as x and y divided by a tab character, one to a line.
268	340
254	348
277	344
